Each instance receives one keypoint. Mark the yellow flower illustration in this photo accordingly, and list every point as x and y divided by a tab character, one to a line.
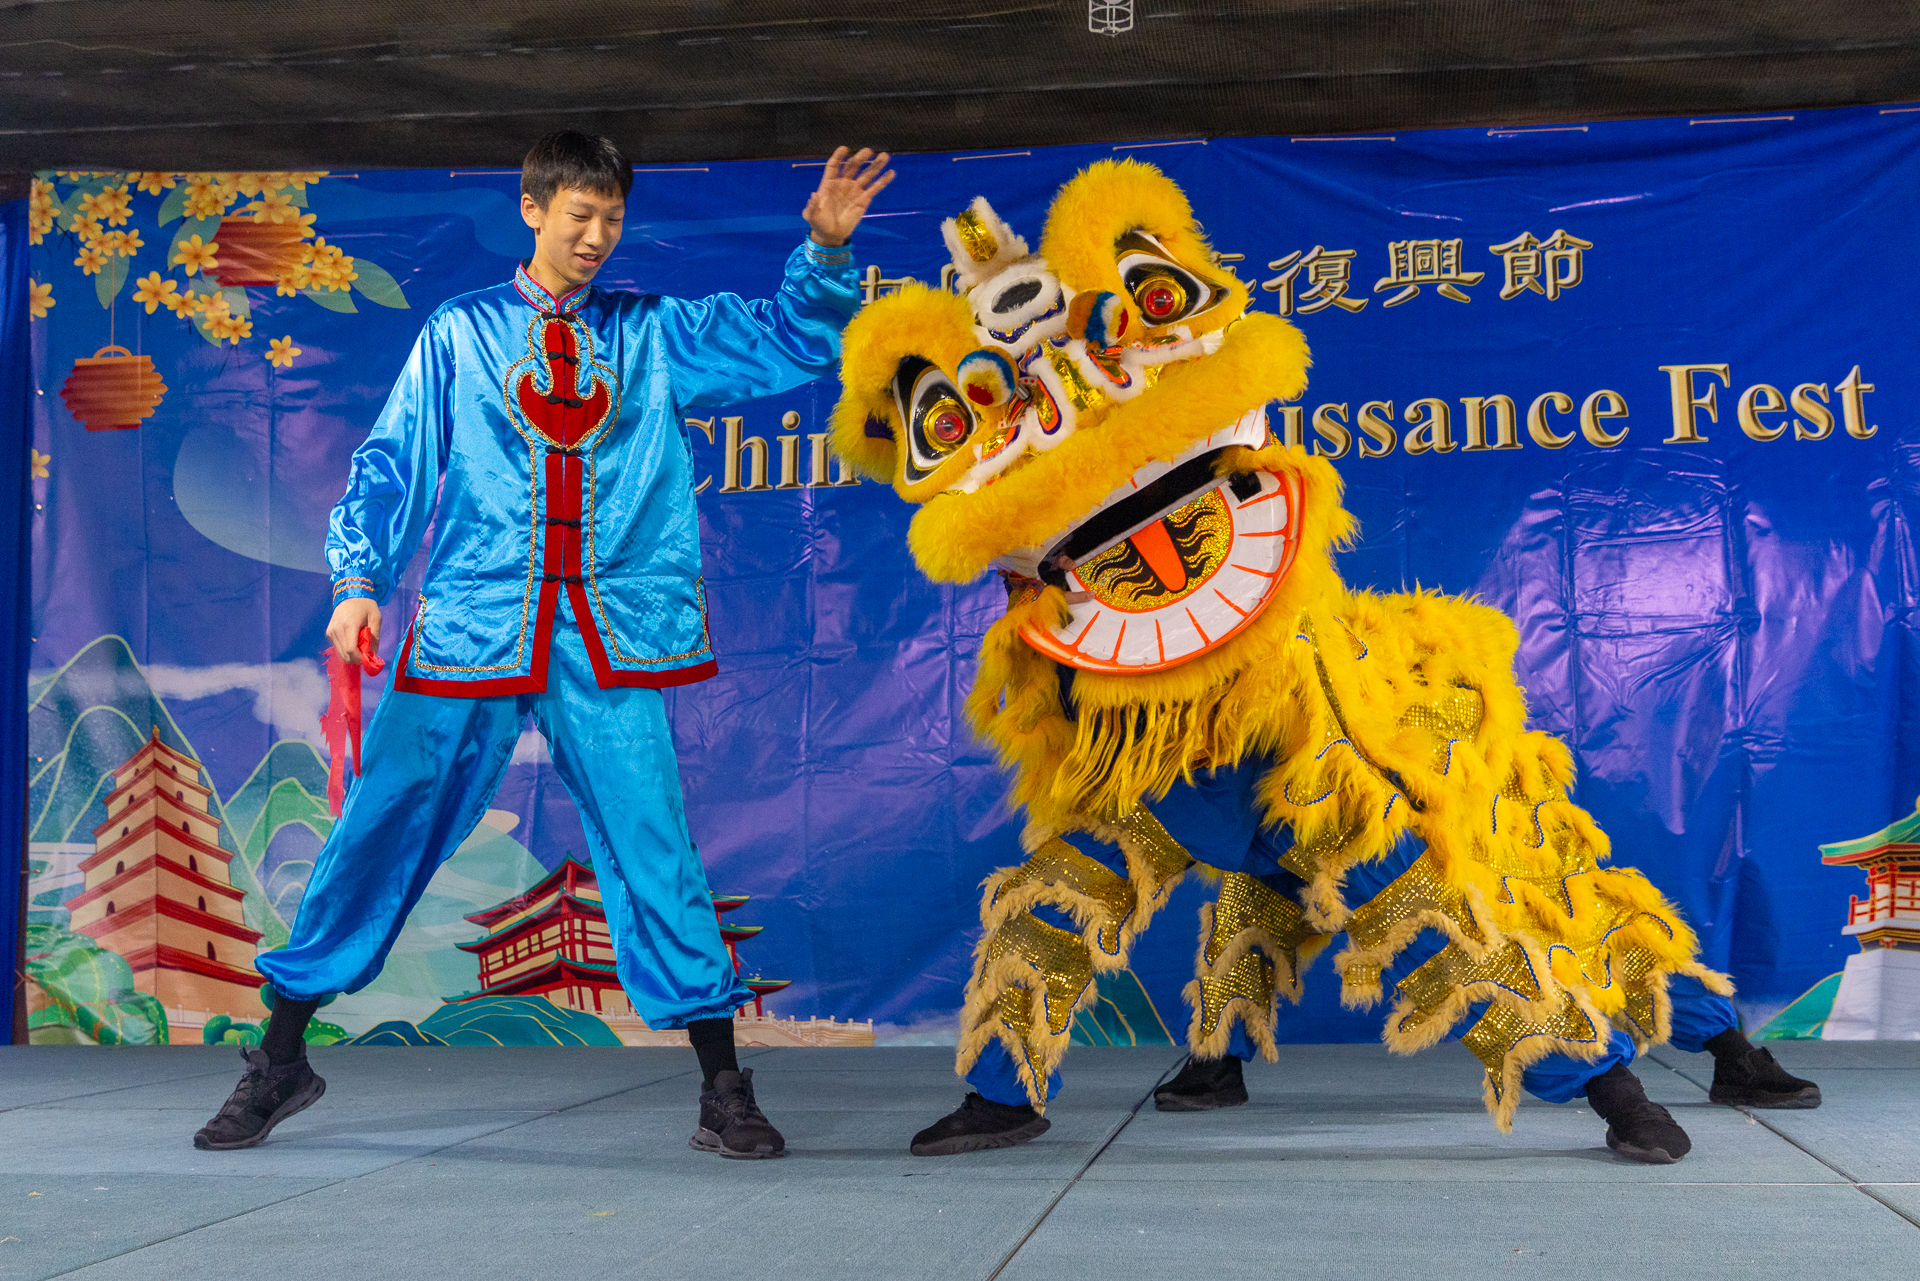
87	227
292	281
213	307
205	196
230	327
90	205
299	181
195	256
281	351
252	184
38	462
40	299
40	193
123	244
91	260
276	207
335	273
154	291
181	305
152	182
114	204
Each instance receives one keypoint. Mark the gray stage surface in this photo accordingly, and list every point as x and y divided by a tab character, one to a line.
563	1163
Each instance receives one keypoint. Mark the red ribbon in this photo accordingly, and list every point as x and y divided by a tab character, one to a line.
341	724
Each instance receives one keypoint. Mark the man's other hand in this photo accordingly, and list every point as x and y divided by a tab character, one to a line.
349	616
846	189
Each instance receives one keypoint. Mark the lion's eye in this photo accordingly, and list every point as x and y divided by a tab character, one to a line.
945	423
938	420
1161	298
1165	292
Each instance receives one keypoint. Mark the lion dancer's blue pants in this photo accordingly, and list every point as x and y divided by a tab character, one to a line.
1215	819
432	767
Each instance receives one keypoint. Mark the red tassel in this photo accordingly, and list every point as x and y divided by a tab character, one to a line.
341	724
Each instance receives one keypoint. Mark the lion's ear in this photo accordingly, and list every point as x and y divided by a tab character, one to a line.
917	321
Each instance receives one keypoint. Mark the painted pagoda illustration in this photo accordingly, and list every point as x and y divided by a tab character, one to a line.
1879	995
159	892
552	941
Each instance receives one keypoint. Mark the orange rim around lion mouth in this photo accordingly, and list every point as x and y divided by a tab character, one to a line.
1181	585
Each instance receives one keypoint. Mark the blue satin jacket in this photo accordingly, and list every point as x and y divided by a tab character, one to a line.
548	434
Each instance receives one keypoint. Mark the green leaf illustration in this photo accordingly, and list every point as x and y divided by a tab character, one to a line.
377	285
108	281
237	302
174	206
332	300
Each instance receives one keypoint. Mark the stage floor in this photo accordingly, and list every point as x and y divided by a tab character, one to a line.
565	1163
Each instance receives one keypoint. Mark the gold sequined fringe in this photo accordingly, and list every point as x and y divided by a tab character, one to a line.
1254	943
1029	977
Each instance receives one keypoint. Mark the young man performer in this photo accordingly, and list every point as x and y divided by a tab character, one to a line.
537	425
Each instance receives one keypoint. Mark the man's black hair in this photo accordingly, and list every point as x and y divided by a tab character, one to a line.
573	159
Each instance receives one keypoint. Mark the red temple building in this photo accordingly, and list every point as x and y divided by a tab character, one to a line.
552	941
159	892
1879	994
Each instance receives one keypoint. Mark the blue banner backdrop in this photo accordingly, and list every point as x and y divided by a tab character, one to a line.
1646	386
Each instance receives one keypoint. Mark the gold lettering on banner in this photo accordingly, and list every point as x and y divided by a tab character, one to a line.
1853	406
1475	410
1431	421
1591	413
1819	418
705	425
1686	429
1544	435
1333	433
1757	400
737	446
1293	426
1378	429
822	464
1544	266
789	452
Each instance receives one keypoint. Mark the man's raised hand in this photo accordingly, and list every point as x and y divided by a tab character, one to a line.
846	189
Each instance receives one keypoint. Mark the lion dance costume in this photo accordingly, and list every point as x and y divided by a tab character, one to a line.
1182	678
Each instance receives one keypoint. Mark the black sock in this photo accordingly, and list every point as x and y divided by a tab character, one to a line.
1730	1044
1612	1089
285	1038
713	1042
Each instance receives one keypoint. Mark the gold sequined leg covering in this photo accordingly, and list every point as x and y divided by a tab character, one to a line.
1251	944
1030	977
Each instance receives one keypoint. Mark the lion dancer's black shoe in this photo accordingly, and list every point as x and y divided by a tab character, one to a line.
267	1095
1748	1076
979	1124
1203	1085
1637	1128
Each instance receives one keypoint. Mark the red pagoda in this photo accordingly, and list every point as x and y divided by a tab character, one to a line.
552	941
158	892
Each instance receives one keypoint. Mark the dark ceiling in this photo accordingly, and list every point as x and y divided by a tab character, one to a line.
232	84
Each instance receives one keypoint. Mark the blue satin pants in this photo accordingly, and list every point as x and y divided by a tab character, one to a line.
1216	821
433	765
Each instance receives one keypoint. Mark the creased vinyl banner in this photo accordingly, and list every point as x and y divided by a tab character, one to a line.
1646	386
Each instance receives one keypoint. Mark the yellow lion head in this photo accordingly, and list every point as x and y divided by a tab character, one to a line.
1091	420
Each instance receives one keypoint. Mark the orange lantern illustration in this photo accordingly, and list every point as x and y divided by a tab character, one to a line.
255	253
113	389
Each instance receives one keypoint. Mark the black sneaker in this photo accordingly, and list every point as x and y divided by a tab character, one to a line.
266	1096
732	1124
1755	1080
980	1124
1644	1131
1202	1086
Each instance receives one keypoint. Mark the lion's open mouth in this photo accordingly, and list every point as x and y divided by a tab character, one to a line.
1172	564
1150	496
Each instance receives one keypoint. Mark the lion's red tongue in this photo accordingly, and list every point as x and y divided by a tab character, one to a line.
1155	546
